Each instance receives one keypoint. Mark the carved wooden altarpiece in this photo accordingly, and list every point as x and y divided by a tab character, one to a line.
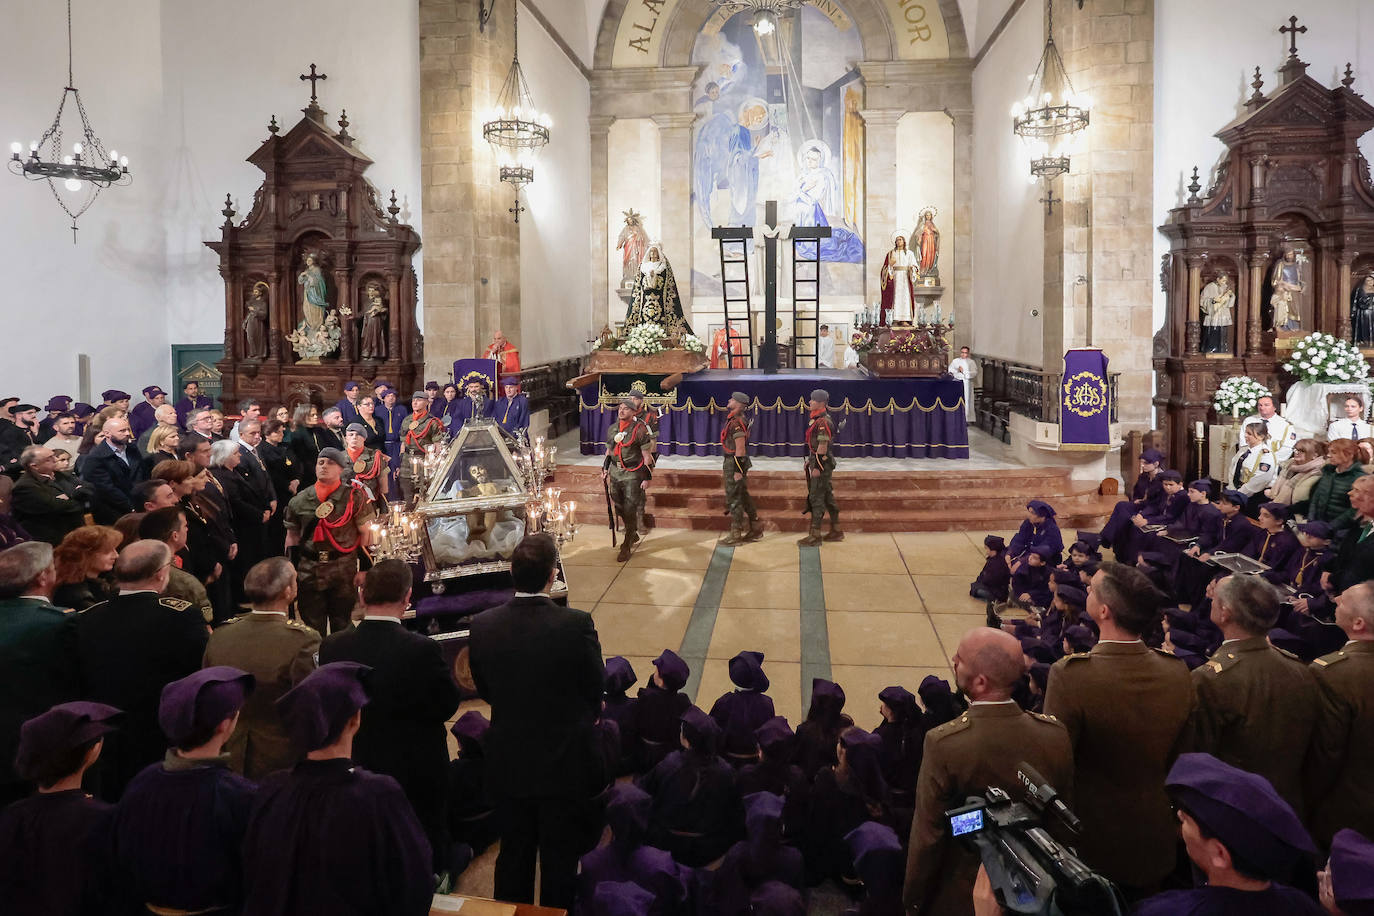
315	209
1292	177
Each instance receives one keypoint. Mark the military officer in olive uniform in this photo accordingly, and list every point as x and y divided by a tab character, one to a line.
168	525
367	467
820	464
983	747
1342	756
734	447
1256	703
627	470
419	431
328	523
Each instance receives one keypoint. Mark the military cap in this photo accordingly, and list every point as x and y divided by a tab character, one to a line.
878	858
740	398
62	728
114	394
1234	497
419	396
1175	476
1152	456
622	898
358	428
1041	508
1278	510
619	675
629	402
672	669
350	386
471	731
202	700
153	391
1316	529
387	391
316	710
58	403
774	733
431	386
746	671
820	394
510	380
994	542
1352	872
1242	810
698	728
335	455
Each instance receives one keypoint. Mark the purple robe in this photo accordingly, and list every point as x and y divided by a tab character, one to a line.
55	855
738	713
1273	550
995	577
1236	533
513	414
1200	520
186	405
1033	581
332	837
1170	509
697	813
1276	900
463	412
1303	570
1031	535
141	418
781	777
658	723
652	869
748	865
178	834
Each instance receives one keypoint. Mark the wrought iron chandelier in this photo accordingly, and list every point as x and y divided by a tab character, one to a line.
766	12
87	167
516	128
1047	127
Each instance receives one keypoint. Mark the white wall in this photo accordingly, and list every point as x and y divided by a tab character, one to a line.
1008	219
925	178
1205	57
555	247
634	152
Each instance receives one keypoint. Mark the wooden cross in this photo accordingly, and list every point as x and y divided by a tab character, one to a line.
1292	29
314	77
768	359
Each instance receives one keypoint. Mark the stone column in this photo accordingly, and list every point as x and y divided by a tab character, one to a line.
675	170
880	182
600	127
960	302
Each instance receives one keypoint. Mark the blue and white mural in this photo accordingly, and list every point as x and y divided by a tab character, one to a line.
779	120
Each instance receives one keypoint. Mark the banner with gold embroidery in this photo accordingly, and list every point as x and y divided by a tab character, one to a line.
1084	403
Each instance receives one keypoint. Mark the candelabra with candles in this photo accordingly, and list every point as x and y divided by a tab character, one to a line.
424	467
536	464
396	535
551	515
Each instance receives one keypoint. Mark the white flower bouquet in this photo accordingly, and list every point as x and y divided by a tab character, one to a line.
693	343
1324	358
644	340
1239	396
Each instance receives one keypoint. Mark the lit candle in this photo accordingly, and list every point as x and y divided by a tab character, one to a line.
572	515
1197	428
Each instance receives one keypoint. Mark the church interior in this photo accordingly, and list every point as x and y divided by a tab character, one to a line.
1019	274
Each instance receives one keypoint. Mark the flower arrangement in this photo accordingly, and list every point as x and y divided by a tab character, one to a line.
644	340
1239	396
915	342
861	341
692	343
1324	358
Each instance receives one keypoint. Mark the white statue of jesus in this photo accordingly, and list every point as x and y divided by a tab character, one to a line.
898	277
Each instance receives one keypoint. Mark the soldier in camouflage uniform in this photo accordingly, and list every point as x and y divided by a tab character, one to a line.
418	432
651	416
328	523
367	466
734	447
820	464
627	470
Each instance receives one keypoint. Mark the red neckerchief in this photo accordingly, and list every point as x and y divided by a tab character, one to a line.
368	474
324	529
323	494
731	418
631	424
412	437
818	418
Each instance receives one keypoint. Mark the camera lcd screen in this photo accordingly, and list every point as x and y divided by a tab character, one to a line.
967	822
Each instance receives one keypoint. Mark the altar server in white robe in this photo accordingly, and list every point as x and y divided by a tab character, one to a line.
825	349
965	370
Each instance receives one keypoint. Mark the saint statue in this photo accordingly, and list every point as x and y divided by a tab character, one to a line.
653	298
631	244
1288	284
897	281
316	293
928	245
1218	299
255	324
374	323
1362	312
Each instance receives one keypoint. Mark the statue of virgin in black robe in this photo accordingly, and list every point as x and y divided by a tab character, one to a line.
653	297
1362	312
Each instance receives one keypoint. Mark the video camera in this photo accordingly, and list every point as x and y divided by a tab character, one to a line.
1030	871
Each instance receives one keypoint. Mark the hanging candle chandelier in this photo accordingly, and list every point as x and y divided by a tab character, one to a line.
766	12
87	168
1046	123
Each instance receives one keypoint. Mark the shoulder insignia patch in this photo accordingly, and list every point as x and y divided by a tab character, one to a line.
297	625
952	727
1165	654
1327	661
176	604
1285	652
1264	466
1077	656
1044	717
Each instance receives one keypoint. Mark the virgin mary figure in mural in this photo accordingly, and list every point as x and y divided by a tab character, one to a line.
653	298
817	198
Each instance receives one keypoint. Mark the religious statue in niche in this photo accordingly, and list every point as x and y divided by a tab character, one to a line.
1218	299
1290	289
928	247
897	280
1362	312
374	323
317	334
653	297
255	323
631	243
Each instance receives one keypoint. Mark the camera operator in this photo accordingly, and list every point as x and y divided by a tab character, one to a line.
982	748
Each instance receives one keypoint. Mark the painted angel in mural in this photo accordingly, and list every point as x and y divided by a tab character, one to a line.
654	297
817	201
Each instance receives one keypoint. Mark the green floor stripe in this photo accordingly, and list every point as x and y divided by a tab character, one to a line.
815	637
697	639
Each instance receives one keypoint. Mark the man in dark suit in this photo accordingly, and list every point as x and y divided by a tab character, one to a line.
37	651
539	666
1354	561
403	733
48	502
112	468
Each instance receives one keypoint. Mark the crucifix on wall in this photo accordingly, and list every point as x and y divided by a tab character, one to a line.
768	359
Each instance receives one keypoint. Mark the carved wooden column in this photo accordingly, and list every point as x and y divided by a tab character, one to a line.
600	127
1346	332
1193	329
343	282
277	328
1252	325
393	346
